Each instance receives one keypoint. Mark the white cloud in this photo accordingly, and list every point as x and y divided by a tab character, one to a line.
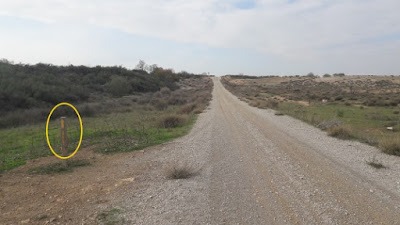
305	30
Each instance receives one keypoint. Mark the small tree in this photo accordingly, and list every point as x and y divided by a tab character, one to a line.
339	75
151	68
141	65
310	74
327	75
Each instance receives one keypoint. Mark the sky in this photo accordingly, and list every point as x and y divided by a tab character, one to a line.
254	37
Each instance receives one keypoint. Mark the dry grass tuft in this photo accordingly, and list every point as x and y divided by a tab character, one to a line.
390	146
165	91
111	217
328	124
159	103
340	132
58	167
180	172
173	120
198	110
375	163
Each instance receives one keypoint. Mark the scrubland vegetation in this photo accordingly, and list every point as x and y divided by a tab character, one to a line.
365	108
121	109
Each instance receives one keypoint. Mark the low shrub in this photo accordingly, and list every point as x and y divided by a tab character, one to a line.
198	110
272	103
180	172
143	100
59	167
171	121
112	216
88	110
188	108
340	113
165	91
375	163
157	94
23	117
325	125
340	132
338	98
390	146
176	100
159	104
254	103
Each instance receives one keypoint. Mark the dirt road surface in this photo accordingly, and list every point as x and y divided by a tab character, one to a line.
254	168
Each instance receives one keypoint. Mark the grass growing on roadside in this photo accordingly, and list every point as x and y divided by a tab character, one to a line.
59	167
117	132
340	132
172	121
111	217
184	171
375	163
368	124
391	146
42	216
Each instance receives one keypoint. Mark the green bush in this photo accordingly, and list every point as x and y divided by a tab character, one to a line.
340	113
119	86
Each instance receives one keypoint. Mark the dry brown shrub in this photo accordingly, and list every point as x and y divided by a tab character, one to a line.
180	171
173	120
390	146
159	103
341	132
188	108
165	91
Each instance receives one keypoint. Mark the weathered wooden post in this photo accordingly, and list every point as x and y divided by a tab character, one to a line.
64	139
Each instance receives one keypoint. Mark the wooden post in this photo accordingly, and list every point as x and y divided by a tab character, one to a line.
64	139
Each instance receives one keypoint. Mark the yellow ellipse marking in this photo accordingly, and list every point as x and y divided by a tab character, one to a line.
47	130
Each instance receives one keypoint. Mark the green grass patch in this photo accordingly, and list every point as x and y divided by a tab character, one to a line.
111	217
117	132
366	124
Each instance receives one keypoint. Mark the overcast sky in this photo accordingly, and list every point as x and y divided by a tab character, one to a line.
258	37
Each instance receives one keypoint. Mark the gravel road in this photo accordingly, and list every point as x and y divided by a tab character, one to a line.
258	168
